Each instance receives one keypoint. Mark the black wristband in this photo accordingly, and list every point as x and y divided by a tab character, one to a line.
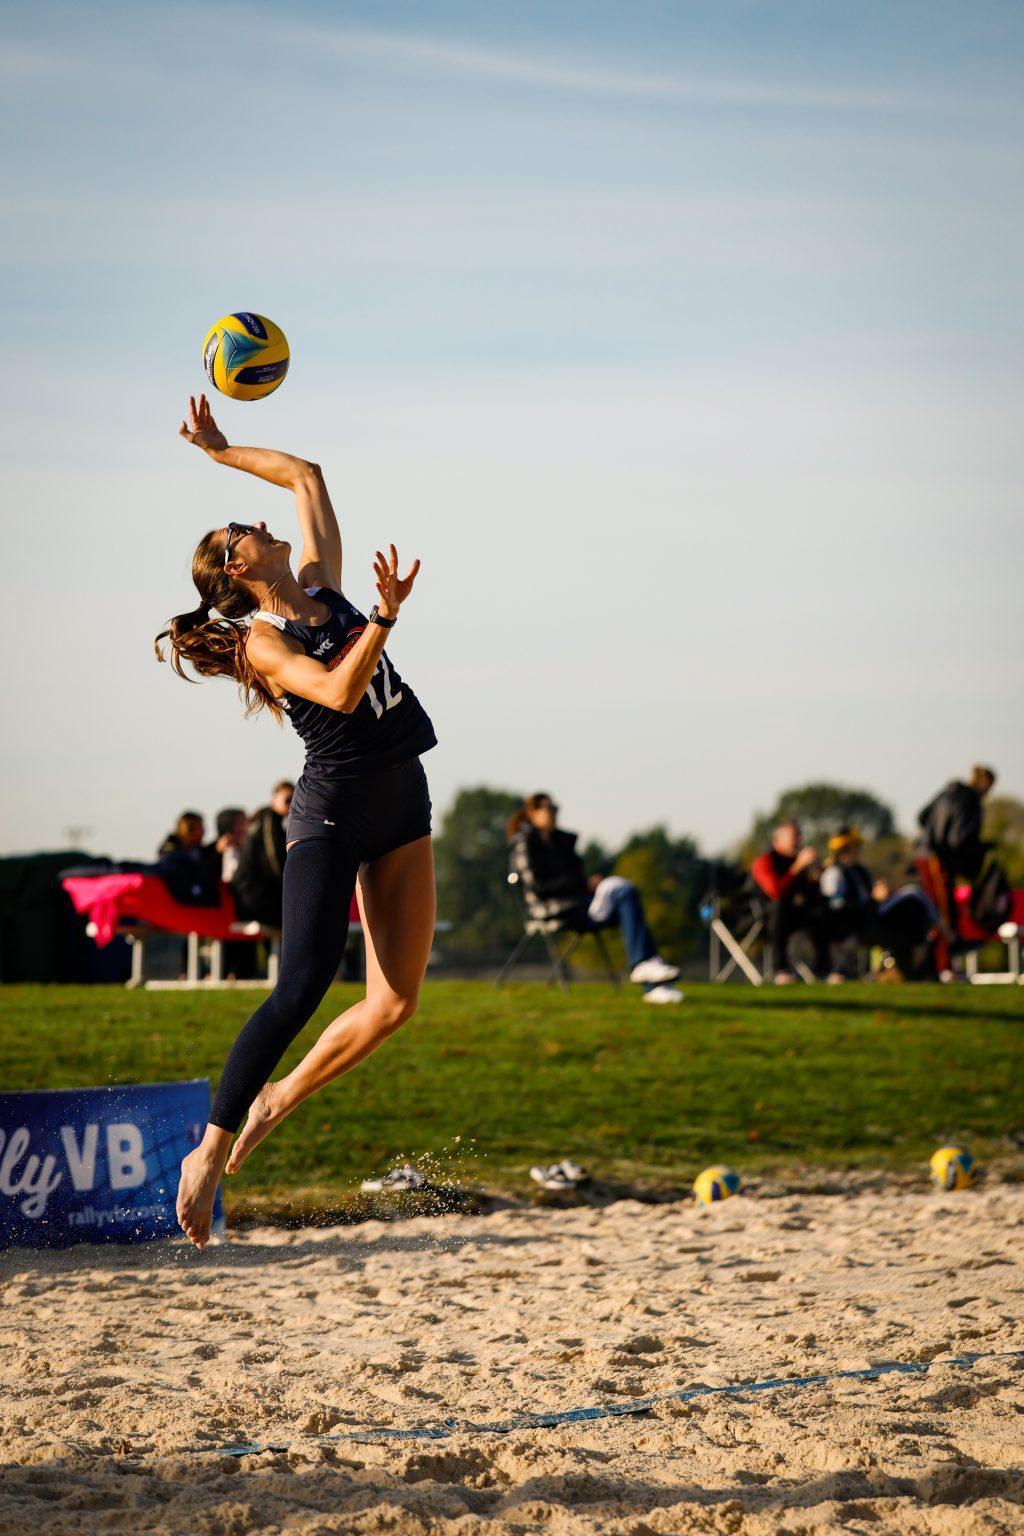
377	618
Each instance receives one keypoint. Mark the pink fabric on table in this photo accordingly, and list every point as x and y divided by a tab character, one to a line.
99	895
106	899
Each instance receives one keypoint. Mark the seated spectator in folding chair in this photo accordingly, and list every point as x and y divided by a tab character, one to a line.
545	860
905	927
951	846
851	894
786	874
865	913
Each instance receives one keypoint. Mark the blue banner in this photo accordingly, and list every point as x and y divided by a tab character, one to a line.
97	1165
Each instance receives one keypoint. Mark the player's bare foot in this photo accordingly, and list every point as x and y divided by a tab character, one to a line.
197	1188
265	1112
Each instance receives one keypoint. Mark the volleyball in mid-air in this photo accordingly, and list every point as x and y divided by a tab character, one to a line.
717	1183
245	355
952	1168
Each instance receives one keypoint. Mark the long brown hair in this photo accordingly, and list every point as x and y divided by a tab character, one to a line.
211	638
521	817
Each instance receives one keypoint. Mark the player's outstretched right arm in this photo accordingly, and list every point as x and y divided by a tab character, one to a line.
320	560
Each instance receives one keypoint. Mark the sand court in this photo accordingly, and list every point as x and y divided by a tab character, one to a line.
125	1373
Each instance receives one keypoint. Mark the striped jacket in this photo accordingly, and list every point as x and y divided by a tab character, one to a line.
550	875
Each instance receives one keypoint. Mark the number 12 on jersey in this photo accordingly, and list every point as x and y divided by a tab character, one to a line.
390	699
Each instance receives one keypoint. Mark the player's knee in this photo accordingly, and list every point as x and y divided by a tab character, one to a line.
299	997
394	1011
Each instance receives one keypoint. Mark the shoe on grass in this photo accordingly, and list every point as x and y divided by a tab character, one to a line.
663	995
573	1171
559	1176
653	972
784	978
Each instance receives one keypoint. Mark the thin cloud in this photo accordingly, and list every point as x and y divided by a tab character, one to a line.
24	61
410	49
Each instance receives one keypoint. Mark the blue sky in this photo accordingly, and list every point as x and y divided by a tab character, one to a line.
681	341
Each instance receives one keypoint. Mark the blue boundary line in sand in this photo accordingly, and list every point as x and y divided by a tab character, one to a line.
449	1427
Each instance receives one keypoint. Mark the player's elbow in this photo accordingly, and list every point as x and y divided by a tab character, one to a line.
311	473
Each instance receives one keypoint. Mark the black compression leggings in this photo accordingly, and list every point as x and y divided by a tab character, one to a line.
319	878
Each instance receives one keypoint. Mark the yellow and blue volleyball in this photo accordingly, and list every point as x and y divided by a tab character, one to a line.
952	1168
717	1183
245	355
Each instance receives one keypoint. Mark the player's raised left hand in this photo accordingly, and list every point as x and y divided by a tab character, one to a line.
392	588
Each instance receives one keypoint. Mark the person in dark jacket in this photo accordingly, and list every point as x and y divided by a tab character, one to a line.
237	957
259	877
190	868
545	861
786	874
951	847
951	825
851	894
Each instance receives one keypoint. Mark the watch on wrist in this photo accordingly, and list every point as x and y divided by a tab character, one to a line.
376	617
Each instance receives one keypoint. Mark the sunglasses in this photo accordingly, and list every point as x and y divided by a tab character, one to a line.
235	530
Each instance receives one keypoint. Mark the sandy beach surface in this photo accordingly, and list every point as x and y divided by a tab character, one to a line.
123	1371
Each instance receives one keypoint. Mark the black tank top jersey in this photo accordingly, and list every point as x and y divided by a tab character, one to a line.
389	725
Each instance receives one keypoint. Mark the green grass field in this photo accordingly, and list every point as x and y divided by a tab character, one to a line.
813	1077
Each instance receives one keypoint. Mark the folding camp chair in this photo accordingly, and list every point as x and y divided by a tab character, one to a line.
538	925
739	945
737	925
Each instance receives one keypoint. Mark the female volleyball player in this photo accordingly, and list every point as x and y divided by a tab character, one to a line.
360	815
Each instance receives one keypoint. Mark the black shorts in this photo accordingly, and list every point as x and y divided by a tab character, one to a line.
371	815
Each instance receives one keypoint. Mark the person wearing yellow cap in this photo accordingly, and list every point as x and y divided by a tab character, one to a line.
851	893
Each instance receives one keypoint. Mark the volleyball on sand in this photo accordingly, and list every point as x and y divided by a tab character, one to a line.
717	1183
952	1168
245	355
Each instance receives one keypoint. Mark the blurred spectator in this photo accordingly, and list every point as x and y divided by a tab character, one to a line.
950	846
905	924
232	826
851	894
951	825
190	869
545	859
787	875
238	958
260	872
188	834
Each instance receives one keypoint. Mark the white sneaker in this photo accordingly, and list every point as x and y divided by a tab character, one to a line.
653	972
663	995
563	1175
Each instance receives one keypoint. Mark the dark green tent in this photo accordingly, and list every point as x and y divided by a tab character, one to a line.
42	938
